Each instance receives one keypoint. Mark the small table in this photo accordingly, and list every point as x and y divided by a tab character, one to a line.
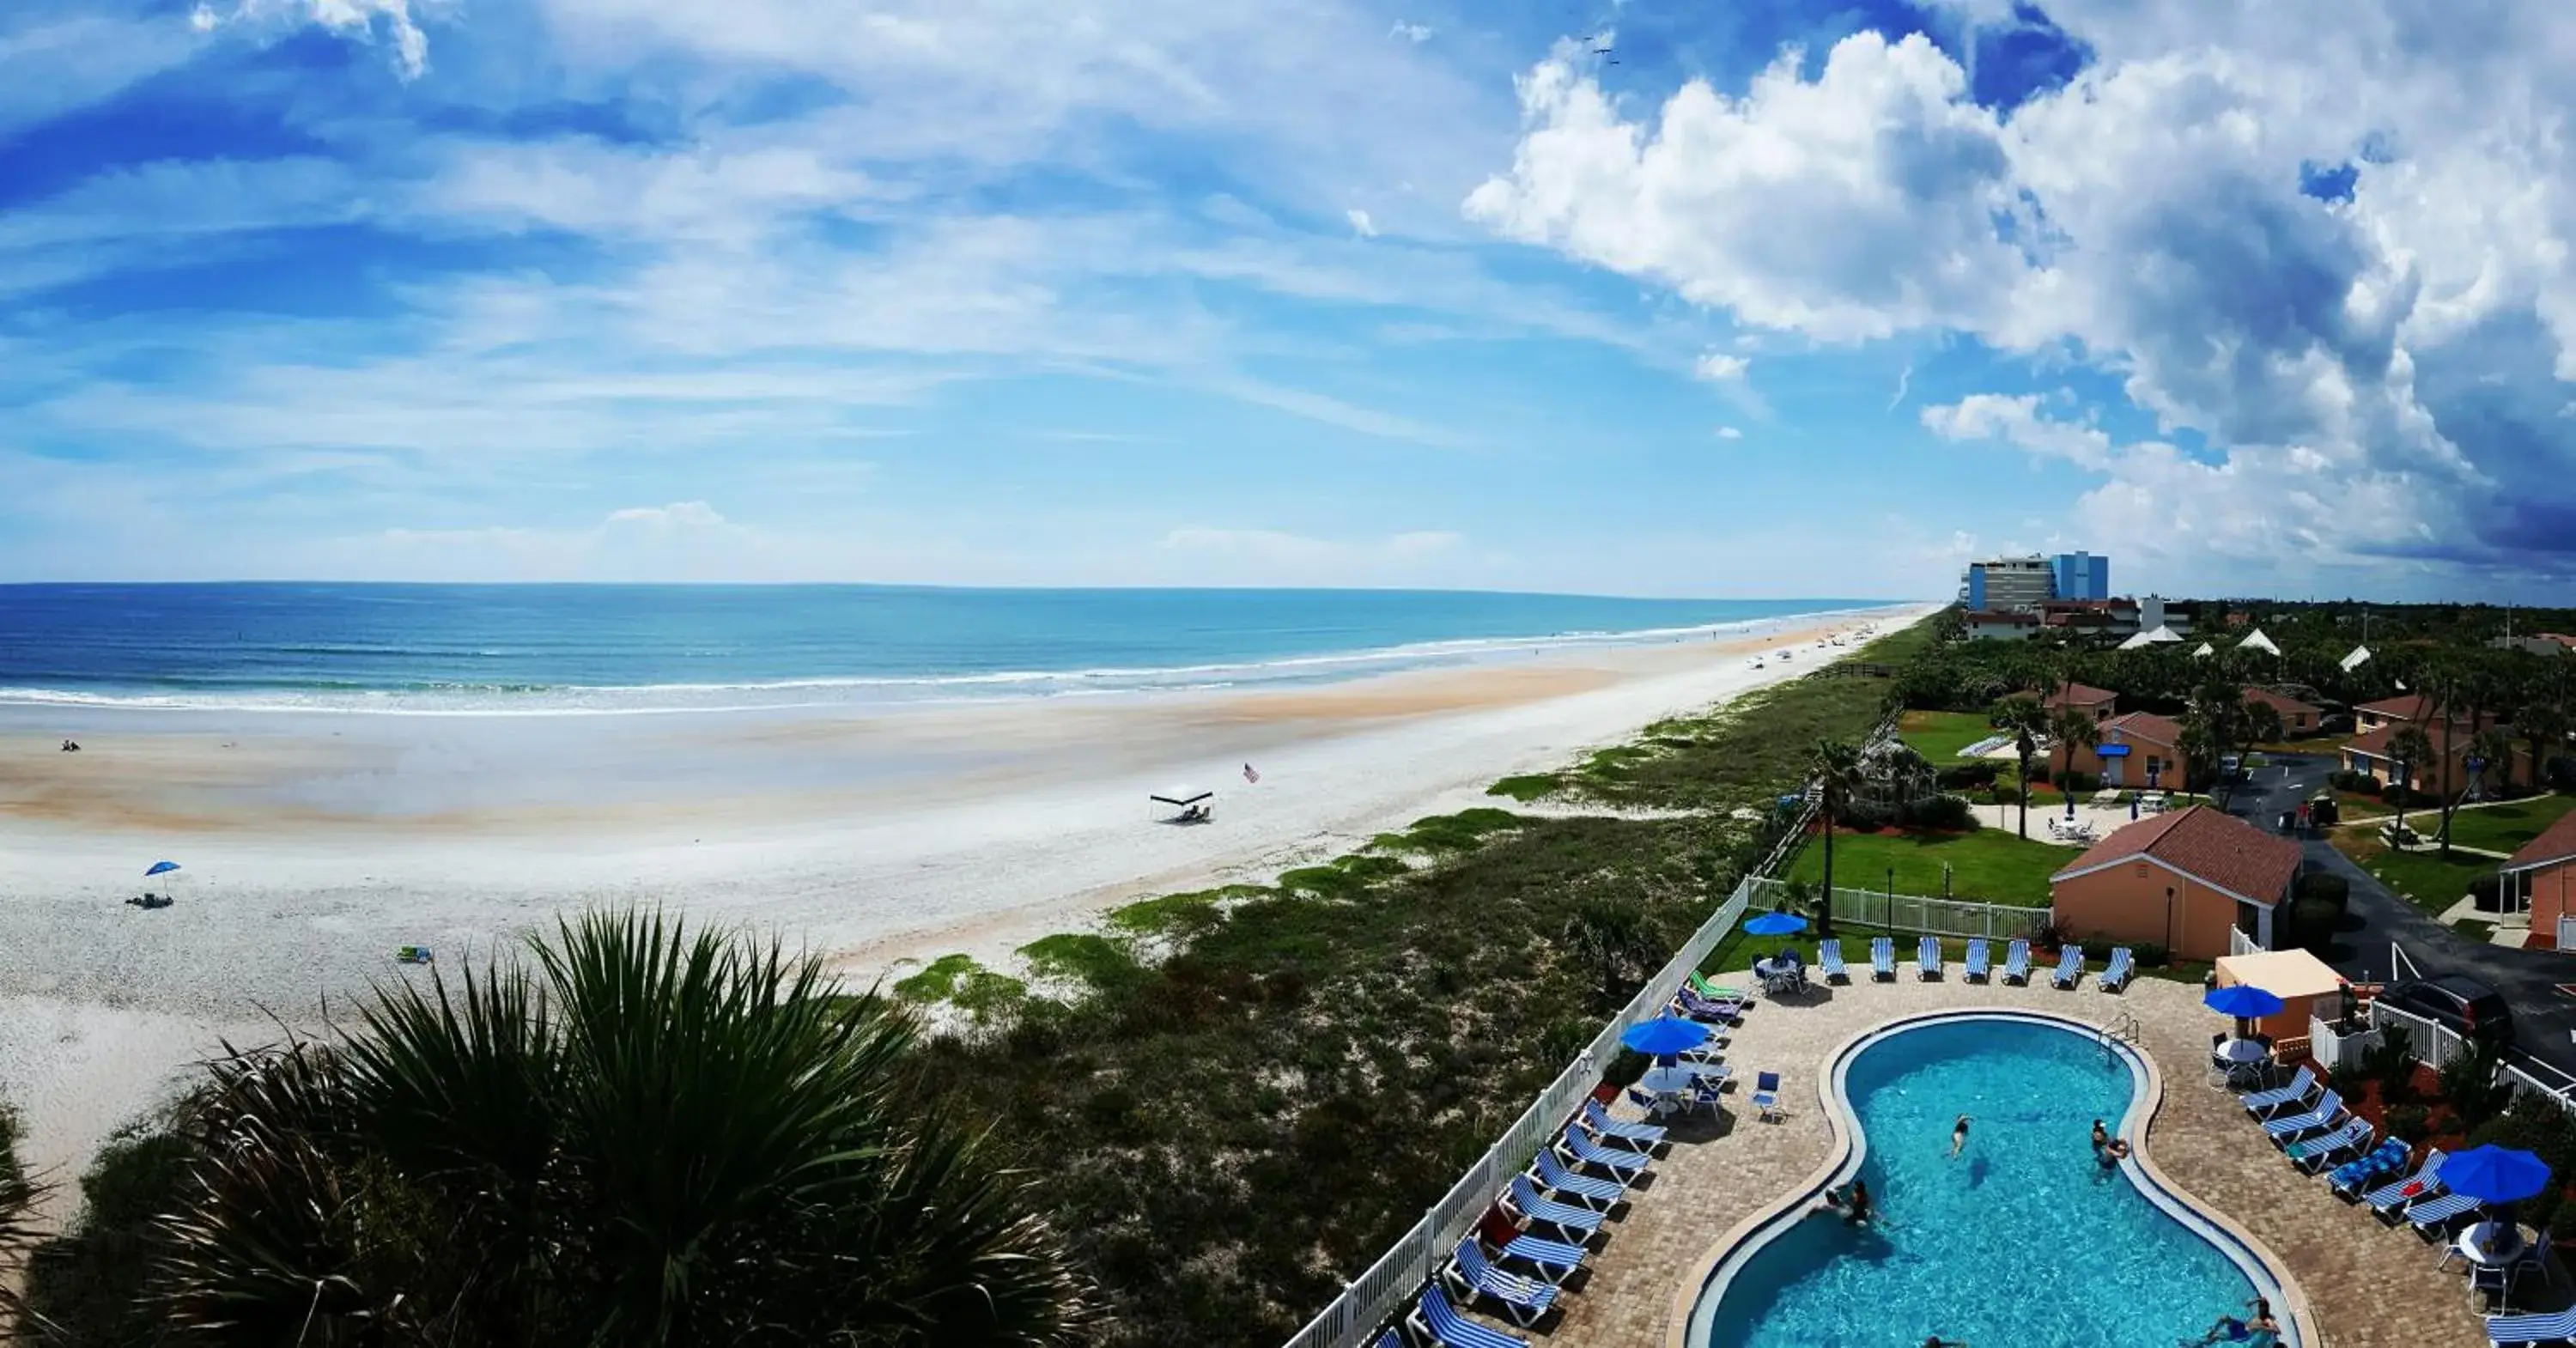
2241	1057
2492	1245
1779	975
1666	1084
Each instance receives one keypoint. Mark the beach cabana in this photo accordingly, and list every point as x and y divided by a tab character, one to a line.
2156	636
2298	978
2359	657
1183	804
2258	642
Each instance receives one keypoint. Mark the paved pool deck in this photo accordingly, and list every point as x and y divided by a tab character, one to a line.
2365	1284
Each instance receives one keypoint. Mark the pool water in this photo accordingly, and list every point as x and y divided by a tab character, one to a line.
2022	1241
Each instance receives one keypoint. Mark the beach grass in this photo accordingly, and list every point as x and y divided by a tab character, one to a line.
1528	787
1986	866
1941	735
959	980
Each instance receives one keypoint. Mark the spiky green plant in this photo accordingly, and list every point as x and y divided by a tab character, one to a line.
646	1136
19	1233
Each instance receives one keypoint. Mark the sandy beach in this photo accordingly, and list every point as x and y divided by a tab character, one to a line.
313	845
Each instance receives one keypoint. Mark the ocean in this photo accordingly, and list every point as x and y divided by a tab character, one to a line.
482	649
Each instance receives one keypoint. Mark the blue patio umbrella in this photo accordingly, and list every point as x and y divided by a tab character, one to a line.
2493	1174
1664	1036
2246	1002
1775	924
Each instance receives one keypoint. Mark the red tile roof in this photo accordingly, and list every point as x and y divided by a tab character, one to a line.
2555	843
2416	707
2282	702
2215	848
2146	725
2074	694
2375	742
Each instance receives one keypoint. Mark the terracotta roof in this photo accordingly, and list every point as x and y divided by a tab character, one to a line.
2375	742
2212	847
2282	702
2146	725
2074	694
2407	707
2555	843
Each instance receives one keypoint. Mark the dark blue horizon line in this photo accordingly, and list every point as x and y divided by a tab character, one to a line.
523	585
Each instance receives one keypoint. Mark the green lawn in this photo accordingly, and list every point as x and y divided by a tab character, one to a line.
1940	735
1988	866
2506	827
2424	878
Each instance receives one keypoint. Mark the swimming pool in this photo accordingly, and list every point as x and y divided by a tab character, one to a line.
2022	1239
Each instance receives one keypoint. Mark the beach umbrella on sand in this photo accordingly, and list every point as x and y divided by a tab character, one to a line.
1775	924
2243	1001
162	868
1664	1036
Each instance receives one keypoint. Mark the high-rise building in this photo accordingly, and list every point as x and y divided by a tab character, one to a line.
2080	575
2009	584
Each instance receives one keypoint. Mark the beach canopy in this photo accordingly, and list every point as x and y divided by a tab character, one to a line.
2360	655
2258	642
2245	1003
2493	1174
1182	795
2204	652
1664	1036
161	868
2156	636
1775	924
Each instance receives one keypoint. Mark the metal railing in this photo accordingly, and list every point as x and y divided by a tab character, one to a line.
1417	1255
1915	912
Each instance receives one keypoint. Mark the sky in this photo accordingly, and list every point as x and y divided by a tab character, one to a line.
1660	297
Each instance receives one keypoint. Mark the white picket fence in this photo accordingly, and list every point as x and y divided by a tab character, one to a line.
1391	1281
1864	908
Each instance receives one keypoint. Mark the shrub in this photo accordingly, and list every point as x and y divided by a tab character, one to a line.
1625	1067
2326	887
2082	782
2412	1123
2045	934
2312	924
1964	776
2149	955
2348	1077
2359	782
2392	1065
2488	892
2470	1082
1941	812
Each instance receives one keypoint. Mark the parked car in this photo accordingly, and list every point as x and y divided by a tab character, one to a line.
2458	1003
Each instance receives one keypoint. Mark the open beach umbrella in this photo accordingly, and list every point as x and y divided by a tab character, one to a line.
1664	1036
2493	1174
2243	1001
1775	924
161	868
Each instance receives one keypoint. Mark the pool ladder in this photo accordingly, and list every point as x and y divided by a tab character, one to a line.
2123	1029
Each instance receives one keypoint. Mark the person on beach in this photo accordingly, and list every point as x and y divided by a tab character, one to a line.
2109	1150
1958	1137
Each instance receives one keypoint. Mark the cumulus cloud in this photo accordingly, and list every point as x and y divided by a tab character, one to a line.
1729	433
1360	223
1411	32
1717	367
360	20
2325	240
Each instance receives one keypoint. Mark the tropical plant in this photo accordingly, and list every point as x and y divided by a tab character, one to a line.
2200	744
2493	748
2473	1083
18	1230
2543	726
2027	721
2408	746
651	1136
1616	937
2072	728
1835	769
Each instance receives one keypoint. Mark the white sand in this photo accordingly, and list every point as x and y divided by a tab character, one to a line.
313	846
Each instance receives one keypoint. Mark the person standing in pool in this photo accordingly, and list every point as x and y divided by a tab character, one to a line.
2258	1330
2109	1150
1958	1136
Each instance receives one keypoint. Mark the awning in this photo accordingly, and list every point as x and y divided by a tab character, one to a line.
1182	795
2112	750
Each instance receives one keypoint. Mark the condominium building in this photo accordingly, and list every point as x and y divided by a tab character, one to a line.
2080	575
2010	584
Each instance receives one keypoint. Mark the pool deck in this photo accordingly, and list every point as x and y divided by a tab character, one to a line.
2366	1285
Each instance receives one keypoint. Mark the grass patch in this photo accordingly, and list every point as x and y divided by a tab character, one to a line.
2506	827
1446	833
2424	879
958	980
1176	915
1941	735
1527	787
1096	961
1987	866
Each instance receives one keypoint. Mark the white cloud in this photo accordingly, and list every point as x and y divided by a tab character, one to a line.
2016	420
360	20
1360	223
1717	367
1411	32
1729	433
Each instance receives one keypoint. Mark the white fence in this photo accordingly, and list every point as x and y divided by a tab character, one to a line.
1859	908
1391	1281
2238	943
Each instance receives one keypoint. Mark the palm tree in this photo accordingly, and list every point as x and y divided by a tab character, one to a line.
2544	728
1614	935
650	1136
2072	728
2250	721
2407	747
2493	748
2026	720
1835	768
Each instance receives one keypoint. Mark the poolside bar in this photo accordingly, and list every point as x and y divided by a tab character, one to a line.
2304	983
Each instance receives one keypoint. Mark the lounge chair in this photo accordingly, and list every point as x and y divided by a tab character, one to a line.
1882	958
1695	1007
2353	1177
1554	1259
1710	1073
1829	957
2070	967
2328	1112
1389	1339
1568	1219
1766	1094
2116	977
1590	1191
1617	1161
1523	1298
1637	1135
1976	969
2017	962
2512	1331
2317	1153
1715	992
1439	1322
2434	1214
1927	958
2427	1179
2262	1103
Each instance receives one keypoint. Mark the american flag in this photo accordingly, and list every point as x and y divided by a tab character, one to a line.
1249	775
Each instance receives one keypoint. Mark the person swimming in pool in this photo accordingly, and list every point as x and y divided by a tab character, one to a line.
1852	1202
1958	1136
2109	1150
2258	1330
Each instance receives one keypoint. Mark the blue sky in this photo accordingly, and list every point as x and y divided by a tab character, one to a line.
1759	300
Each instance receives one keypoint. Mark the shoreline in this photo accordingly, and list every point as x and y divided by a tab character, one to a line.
872	838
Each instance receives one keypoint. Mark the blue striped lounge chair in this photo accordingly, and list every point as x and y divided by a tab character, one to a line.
2353	1178
1766	1094
1617	1160
1710	1073
1709	1010
1439	1322
2017	962
2427	1179
1829	957
2327	1113
2273	1101
1568	1219
1522	1297
1635	1135
1882	958
2070	967
1591	1192
2432	1215
1927	958
2514	1331
1555	1260
1390	1338
2317	1153
1976	968
2116	977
